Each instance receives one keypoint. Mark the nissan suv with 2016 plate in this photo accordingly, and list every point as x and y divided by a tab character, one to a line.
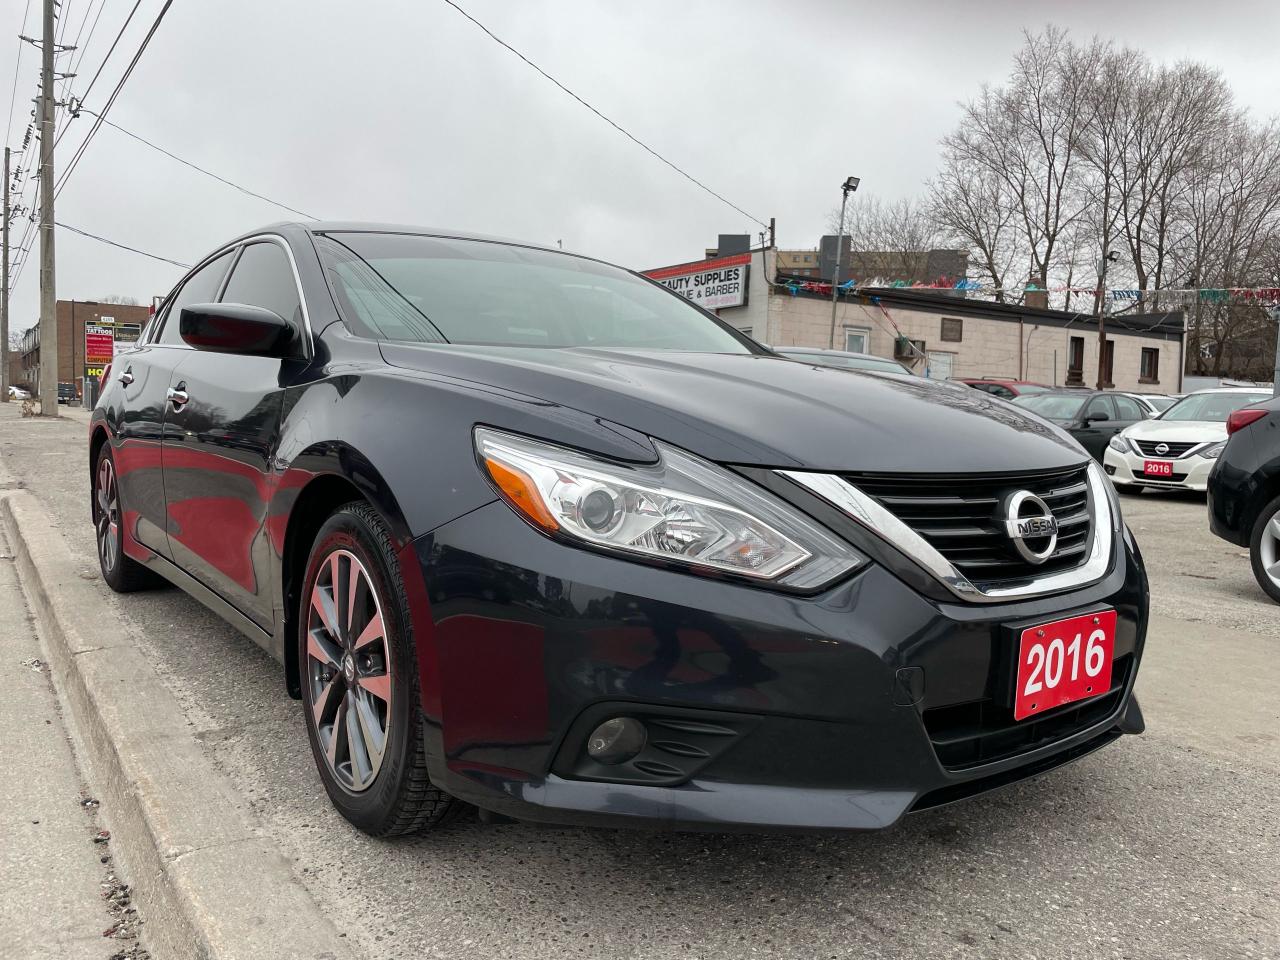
531	532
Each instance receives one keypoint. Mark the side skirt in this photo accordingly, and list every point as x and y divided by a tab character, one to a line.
180	578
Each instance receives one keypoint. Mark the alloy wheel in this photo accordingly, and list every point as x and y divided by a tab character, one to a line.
348	670
108	520
1269	549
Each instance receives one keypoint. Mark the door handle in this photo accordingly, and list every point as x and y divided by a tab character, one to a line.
177	396
126	378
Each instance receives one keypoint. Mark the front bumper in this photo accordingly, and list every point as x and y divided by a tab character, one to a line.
1189	473
844	710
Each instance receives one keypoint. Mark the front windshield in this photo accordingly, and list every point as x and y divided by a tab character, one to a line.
1055	406
1025	388
394	286
1160	403
849	363
1211	407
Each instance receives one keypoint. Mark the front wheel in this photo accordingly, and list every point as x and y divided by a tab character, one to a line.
1264	549
359	678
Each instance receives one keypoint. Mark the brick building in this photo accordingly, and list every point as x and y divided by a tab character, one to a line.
72	316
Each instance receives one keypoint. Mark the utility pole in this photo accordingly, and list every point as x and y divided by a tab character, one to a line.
1275	377
1108	257
4	293
48	290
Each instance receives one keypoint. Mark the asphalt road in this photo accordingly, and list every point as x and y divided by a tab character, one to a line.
1161	846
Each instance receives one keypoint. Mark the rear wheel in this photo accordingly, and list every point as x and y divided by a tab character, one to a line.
1264	549
359	677
122	573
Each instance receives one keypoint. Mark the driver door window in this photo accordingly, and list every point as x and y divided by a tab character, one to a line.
1100	405
263	277
201	287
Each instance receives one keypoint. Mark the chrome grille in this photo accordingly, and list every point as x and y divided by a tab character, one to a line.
960	515
1148	448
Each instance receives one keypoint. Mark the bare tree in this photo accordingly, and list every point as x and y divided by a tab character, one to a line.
1174	115
1231	211
967	203
1026	135
890	240
118	298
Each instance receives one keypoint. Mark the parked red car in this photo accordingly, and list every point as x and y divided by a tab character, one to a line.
1002	388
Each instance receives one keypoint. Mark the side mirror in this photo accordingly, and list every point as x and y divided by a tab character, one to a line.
1097	417
238	328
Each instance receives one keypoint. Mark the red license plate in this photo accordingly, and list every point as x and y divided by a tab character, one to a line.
1157	468
1064	661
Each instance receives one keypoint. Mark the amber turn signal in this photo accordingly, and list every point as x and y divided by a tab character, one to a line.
521	493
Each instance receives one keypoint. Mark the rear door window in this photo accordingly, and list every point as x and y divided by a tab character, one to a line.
1127	408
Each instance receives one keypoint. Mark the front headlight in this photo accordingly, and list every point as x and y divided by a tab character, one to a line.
1119	444
1213	452
682	509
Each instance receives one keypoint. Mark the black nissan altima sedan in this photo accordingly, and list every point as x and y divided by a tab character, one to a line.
530	532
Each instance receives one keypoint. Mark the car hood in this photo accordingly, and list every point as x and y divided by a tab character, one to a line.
766	410
1177	431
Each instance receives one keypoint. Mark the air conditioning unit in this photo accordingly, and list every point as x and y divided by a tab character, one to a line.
905	348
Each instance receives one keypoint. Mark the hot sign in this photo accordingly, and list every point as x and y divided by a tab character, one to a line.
709	283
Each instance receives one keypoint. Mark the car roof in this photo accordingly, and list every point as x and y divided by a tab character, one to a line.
1070	392
1032	383
361	226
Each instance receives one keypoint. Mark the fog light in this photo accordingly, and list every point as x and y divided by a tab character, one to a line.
616	740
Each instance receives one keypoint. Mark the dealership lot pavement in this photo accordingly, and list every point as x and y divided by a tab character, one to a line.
1162	846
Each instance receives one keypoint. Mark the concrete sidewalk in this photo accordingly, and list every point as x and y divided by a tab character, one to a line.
207	882
62	896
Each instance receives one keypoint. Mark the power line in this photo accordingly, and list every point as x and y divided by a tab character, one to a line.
114	43
8	128
75	160
78	56
94	236
207	173
634	139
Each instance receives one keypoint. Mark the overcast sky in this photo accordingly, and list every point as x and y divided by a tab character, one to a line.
404	111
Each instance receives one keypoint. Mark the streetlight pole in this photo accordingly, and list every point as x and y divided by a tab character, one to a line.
849	186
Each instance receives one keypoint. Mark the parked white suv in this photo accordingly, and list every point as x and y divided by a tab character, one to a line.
1177	449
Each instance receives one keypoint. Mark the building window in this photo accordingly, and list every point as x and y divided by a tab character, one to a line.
1075	361
1149	371
952	330
857	339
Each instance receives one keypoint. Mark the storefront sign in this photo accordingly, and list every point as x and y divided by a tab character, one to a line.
127	335
712	284
99	344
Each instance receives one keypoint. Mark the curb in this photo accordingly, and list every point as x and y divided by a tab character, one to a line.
209	884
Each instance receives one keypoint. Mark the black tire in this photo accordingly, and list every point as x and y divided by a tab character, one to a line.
395	795
1267	515
122	573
